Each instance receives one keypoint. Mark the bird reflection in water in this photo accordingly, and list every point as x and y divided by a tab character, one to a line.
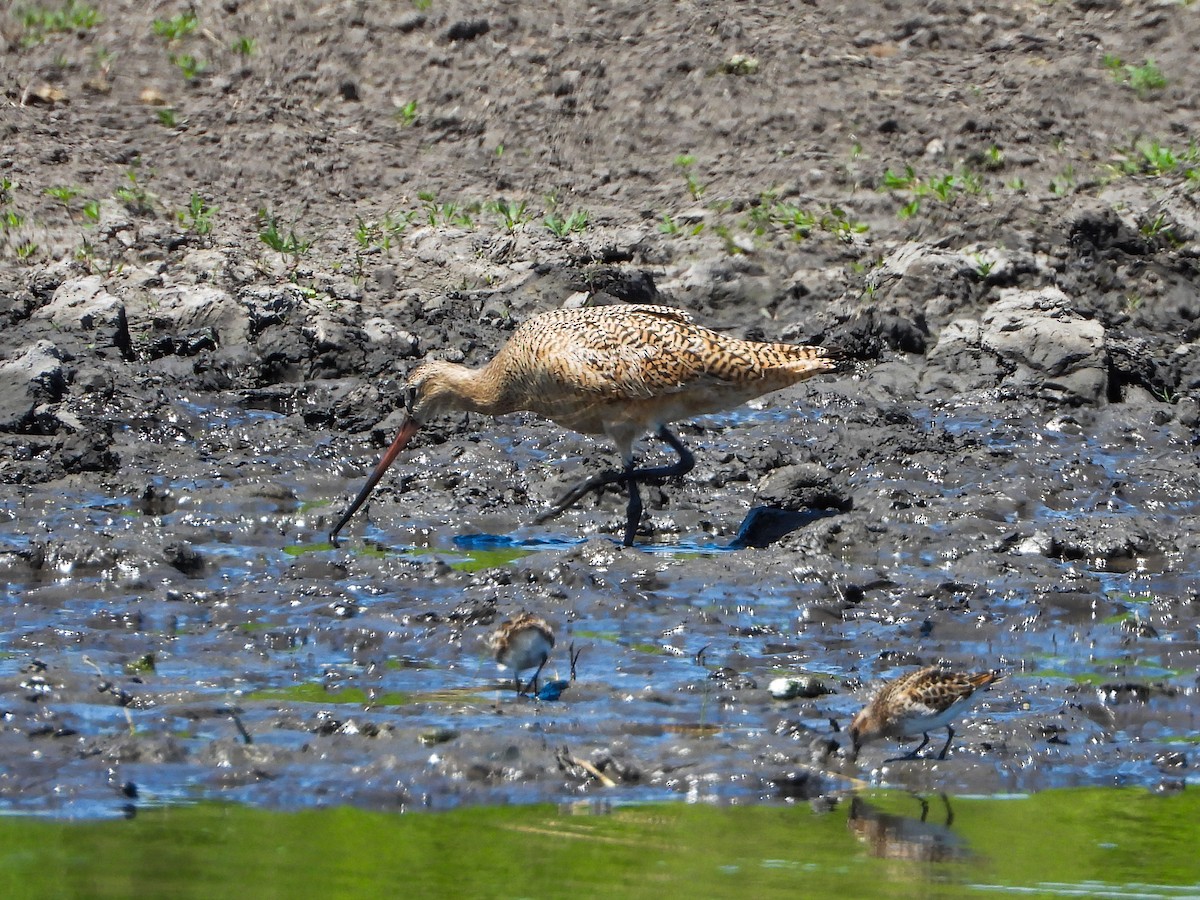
891	836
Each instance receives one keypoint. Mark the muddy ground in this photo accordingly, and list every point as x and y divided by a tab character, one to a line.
227	238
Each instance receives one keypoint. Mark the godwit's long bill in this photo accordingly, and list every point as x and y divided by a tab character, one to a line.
622	371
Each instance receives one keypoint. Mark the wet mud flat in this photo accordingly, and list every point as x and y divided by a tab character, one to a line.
203	350
192	635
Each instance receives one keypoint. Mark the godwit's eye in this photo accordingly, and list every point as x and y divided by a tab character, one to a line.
410	397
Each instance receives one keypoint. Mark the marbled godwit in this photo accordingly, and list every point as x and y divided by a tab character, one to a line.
622	371
917	703
522	643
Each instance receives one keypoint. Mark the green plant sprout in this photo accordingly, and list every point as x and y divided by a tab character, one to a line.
511	214
290	246
895	181
1145	79
561	227
407	114
133	195
197	215
685	161
443	213
38	21
63	194
1064	183
175	28
1159	228
189	66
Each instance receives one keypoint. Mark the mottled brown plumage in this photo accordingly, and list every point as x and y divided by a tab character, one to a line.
621	371
522	643
917	703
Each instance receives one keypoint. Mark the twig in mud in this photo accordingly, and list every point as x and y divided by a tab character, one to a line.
593	771
565	758
237	721
106	687
574	655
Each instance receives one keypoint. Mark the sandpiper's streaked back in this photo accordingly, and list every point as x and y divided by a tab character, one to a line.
917	703
522	643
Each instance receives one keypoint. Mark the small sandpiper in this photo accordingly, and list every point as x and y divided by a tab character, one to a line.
917	703
522	643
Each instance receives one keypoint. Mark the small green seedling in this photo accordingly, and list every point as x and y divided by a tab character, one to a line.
197	215
511	214
899	181
38	21
190	67
560	227
407	114
685	161
134	196
292	245
1145	79
175	28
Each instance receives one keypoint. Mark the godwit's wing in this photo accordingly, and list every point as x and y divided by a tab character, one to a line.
624	370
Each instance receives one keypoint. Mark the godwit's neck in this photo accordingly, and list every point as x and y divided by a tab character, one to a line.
476	390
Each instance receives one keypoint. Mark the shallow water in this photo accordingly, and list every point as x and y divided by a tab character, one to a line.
879	844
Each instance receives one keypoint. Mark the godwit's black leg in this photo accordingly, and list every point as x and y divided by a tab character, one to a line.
682	466
631	477
633	511
573	494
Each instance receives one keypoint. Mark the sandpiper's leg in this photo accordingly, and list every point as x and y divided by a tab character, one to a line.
574	654
532	686
949	738
949	811
911	754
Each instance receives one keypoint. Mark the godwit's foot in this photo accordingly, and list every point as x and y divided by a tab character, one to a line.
631	477
578	491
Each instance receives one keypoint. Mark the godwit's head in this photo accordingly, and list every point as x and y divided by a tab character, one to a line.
433	387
